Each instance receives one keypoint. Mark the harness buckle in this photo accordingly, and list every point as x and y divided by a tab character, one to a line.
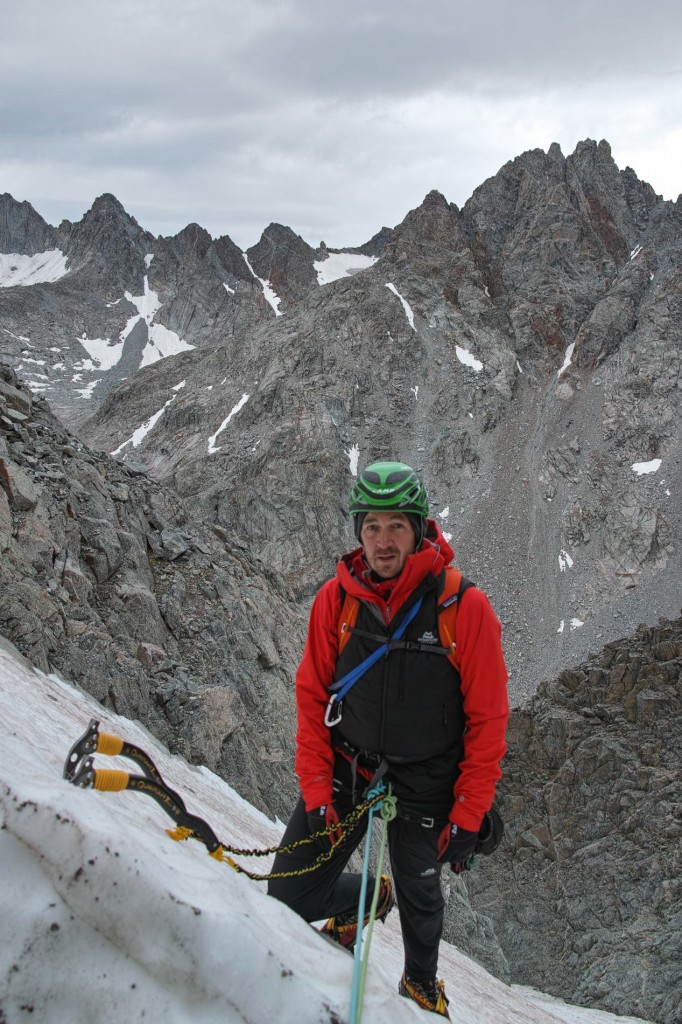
334	712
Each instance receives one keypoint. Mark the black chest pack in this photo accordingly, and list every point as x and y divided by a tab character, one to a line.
452	586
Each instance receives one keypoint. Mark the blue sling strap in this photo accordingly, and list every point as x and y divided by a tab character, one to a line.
340	688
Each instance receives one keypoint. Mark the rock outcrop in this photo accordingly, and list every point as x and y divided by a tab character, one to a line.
107	579
585	894
22	230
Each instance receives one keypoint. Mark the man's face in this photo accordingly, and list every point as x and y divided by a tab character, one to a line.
387	539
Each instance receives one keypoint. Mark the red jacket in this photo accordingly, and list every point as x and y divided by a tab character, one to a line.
482	669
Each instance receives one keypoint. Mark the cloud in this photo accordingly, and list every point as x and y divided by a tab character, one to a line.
334	120
403	49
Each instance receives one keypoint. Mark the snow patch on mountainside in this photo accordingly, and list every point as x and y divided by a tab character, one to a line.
568	356
139	435
353	454
405	304
270	295
162	342
467	359
643	468
86	392
212	448
42	268
565	561
574	624
101	351
342	264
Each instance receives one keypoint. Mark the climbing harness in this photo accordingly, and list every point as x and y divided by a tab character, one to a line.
80	771
381	799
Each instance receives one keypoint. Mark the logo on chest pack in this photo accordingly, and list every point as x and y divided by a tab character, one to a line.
428	638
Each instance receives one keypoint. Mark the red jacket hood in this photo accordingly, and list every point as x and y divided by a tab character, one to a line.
355	575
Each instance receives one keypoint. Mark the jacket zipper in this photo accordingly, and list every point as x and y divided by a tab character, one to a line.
384	689
384	706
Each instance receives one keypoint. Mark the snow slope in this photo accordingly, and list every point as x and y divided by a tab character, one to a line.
42	268
102	915
341	264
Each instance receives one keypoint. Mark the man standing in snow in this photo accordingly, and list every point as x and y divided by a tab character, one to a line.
434	731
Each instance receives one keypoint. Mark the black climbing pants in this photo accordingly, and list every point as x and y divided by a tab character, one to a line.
328	890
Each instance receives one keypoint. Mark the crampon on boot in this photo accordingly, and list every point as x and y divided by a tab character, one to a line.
430	995
343	928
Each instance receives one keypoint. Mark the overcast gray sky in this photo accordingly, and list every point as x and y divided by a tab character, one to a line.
333	118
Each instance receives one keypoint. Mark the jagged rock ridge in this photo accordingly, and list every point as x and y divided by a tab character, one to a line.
586	892
124	299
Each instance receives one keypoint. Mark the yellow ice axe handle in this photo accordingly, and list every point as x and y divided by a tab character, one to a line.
108	744
109	780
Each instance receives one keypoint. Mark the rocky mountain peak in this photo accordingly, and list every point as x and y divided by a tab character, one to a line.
285	260
435	223
108	205
22	229
597	185
192	253
193	239
554	153
595	155
641	199
281	236
541	212
108	248
107	220
377	243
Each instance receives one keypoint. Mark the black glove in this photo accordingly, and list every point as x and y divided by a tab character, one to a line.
321	818
457	846
490	833
461	848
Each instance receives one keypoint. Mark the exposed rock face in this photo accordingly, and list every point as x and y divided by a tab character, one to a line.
523	352
105	578
586	891
552	234
22	230
286	261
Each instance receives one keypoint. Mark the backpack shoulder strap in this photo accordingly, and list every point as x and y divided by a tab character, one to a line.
348	617
454	586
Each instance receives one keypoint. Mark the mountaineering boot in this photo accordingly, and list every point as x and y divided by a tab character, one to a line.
343	928
430	995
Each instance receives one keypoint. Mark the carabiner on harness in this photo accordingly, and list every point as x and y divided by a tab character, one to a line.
334	712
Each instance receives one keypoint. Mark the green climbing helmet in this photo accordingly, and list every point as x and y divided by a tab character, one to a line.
386	486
